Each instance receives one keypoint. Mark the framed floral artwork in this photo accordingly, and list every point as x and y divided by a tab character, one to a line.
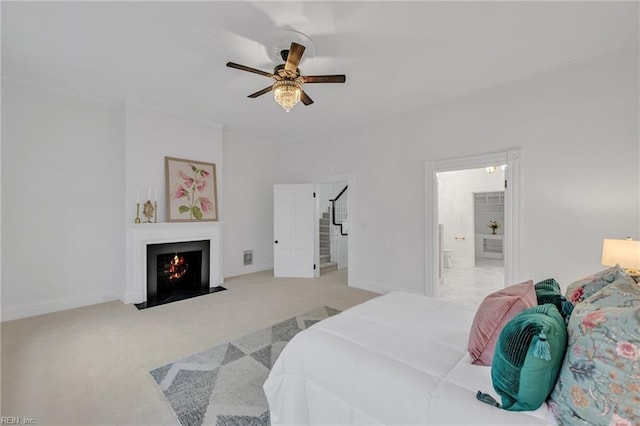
191	190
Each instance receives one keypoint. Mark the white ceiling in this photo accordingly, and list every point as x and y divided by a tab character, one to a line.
398	56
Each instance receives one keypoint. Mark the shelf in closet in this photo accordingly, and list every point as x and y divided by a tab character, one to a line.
492	246
494	198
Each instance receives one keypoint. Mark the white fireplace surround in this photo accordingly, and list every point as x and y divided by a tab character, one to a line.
141	235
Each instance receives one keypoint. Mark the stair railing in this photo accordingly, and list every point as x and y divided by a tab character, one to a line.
333	210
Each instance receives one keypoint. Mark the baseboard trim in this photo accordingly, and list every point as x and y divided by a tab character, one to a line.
244	270
376	287
55	305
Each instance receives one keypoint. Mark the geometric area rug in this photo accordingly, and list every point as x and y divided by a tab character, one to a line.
222	385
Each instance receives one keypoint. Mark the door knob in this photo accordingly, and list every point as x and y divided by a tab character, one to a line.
458	238
276	241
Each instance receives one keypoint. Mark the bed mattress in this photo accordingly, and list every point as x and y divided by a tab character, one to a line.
398	359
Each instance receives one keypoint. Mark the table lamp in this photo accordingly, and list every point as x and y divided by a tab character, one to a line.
625	253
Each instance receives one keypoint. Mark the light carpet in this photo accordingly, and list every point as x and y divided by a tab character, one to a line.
222	385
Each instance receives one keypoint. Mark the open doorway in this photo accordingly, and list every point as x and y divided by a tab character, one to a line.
510	240
339	187
471	233
311	233
333	214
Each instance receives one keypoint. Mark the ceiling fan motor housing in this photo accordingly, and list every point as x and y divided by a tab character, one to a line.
280	71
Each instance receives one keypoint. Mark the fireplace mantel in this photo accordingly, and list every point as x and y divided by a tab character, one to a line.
141	235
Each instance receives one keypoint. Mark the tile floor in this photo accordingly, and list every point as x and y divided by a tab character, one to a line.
471	285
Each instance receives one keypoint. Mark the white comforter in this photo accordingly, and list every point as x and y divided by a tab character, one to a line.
398	359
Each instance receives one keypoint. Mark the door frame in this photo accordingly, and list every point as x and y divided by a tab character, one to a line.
511	211
350	178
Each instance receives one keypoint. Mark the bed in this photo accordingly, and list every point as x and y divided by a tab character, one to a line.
397	359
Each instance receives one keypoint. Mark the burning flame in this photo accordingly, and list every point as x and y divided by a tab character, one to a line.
176	268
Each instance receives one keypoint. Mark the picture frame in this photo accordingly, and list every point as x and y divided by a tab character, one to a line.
191	190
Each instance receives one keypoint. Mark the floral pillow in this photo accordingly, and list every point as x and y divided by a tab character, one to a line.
584	288
599	383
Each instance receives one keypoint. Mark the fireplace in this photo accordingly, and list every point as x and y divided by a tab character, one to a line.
143	236
177	271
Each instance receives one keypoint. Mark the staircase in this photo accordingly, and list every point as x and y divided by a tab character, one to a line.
326	264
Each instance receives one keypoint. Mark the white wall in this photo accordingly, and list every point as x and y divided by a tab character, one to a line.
248	188
70	170
578	130
66	201
62	203
456	209
151	135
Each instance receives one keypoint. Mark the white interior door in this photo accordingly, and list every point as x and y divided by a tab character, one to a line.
295	230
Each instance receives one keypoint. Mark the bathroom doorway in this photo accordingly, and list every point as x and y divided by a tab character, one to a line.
437	237
471	225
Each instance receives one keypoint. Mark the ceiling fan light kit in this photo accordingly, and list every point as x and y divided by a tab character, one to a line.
287	88
287	93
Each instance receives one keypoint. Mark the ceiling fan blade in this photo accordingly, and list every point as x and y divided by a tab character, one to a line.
249	69
341	78
305	98
295	54
261	92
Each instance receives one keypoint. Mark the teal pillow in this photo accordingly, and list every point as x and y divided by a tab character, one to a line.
548	291
528	358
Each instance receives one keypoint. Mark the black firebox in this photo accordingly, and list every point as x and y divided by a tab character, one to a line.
177	271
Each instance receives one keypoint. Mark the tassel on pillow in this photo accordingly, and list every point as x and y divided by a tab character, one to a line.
487	399
541	348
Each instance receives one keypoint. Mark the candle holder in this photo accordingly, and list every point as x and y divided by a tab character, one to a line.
148	211
137	213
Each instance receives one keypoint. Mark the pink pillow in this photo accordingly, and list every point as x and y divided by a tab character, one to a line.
495	311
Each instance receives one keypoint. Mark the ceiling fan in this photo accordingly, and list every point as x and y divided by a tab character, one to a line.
288	81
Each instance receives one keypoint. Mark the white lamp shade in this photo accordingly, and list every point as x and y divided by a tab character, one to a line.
625	253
